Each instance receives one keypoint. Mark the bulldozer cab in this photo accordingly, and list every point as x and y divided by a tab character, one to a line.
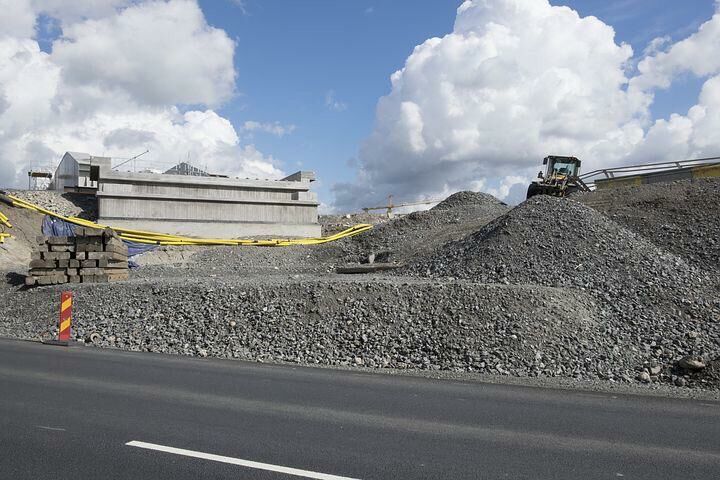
561	178
561	167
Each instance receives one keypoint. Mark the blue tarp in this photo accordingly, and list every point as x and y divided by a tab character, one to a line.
54	227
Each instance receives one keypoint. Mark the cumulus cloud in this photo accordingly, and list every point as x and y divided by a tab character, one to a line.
123	76
691	134
697	54
515	80
162	53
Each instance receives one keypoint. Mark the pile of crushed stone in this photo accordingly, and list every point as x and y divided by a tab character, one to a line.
652	305
383	323
405	237
682	217
66	204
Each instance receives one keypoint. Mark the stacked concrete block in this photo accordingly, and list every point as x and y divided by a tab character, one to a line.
91	256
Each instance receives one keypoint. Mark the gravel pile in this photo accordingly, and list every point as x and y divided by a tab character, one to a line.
416	233
682	217
653	306
193	262
510	330
67	204
552	288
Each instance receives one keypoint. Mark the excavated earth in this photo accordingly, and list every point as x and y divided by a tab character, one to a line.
652	307
582	288
419	232
682	217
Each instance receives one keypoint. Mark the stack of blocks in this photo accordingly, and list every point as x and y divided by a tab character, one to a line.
91	256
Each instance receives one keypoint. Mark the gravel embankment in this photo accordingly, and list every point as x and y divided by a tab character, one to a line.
682	217
403	238
652	305
67	204
376	322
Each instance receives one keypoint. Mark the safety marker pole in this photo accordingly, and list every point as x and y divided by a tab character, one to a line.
66	300
64	324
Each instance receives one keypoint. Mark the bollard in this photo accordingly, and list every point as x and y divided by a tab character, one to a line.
66	300
64	323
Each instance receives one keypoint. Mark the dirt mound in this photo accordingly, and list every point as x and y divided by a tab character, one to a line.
466	198
67	204
648	299
557	242
15	251
376	323
419	232
682	217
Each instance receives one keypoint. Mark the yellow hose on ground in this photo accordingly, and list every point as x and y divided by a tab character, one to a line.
155	238
5	220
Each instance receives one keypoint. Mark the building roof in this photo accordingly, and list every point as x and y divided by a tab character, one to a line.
86	159
184	168
79	156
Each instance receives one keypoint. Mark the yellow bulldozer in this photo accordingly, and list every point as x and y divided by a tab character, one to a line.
560	179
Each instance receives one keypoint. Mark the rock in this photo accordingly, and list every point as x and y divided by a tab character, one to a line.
644	377
691	363
680	382
655	370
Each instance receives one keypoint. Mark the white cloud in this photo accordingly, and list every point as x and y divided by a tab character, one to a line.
691	134
697	54
274	128
161	53
515	80
17	19
333	103
114	84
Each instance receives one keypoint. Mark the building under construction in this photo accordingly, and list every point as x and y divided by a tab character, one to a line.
186	200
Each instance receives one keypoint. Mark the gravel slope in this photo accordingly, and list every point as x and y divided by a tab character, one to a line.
682	217
654	307
414	234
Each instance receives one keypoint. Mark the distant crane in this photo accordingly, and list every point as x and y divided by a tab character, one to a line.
130	160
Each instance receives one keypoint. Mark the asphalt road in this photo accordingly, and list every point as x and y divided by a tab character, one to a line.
71	412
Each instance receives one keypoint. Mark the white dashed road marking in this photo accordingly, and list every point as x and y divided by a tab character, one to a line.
237	461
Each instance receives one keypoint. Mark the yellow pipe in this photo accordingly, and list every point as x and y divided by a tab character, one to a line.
154	238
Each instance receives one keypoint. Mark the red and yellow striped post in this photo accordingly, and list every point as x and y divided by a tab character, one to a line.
66	300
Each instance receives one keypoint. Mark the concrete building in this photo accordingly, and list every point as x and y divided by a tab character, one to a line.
209	206
74	171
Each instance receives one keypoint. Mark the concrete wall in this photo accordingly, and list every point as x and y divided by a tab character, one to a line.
66	174
74	171
703	171
208	206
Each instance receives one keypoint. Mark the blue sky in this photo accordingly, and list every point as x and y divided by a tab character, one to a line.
290	54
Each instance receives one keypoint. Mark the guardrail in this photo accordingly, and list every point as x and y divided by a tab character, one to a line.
629	170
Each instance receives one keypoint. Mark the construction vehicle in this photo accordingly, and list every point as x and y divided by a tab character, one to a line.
560	179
